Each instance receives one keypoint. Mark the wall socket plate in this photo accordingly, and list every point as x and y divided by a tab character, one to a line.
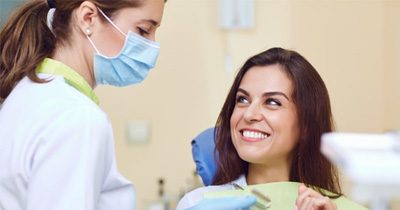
138	132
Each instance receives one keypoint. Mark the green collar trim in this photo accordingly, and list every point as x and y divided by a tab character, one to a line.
72	77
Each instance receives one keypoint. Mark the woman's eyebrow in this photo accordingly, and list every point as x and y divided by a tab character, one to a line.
274	93
243	91
267	94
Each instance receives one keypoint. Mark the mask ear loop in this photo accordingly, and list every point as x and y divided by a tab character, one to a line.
111	22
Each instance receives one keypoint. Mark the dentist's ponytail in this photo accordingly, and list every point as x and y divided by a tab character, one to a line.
25	40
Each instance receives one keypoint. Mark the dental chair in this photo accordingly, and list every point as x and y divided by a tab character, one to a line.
203	155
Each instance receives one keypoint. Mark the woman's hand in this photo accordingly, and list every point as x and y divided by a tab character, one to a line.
308	199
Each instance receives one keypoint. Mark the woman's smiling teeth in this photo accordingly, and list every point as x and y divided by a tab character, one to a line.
254	134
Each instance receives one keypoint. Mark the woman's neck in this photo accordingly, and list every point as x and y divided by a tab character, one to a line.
260	173
75	59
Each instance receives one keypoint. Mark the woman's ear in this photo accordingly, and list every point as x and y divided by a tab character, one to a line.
87	15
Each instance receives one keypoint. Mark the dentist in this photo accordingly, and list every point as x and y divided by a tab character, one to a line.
56	144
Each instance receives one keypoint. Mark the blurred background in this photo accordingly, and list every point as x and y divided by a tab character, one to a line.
354	45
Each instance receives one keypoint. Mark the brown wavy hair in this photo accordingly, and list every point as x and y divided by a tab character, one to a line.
26	40
311	98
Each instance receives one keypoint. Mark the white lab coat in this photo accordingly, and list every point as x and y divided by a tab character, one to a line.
57	151
194	197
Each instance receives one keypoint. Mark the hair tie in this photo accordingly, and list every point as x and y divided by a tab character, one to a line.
50	17
51	3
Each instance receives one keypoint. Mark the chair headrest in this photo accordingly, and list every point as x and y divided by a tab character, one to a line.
203	155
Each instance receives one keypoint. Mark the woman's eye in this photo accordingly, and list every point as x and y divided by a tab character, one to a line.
142	32
273	102
241	100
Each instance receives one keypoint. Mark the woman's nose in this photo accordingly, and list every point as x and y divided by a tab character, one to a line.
253	113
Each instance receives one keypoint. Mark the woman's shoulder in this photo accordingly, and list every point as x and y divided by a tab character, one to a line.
52	106
58	88
54	96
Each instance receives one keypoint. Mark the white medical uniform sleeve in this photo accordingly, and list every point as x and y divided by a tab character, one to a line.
71	163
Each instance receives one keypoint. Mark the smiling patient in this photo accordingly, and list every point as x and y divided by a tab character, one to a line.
269	130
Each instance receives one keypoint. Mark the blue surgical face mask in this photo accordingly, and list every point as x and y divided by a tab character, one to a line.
131	65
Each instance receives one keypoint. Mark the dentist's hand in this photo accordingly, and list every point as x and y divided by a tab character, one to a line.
227	203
